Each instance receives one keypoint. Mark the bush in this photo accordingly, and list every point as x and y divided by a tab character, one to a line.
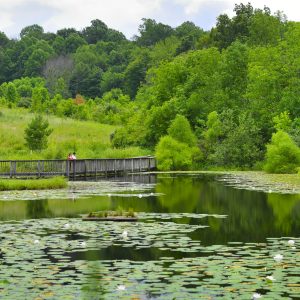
283	155
173	155
36	133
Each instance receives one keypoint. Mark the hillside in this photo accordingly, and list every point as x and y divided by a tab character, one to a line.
223	98
89	139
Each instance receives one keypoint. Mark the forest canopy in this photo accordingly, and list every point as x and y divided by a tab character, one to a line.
231	86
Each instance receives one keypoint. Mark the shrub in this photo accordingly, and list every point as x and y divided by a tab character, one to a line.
173	155
283	155
36	133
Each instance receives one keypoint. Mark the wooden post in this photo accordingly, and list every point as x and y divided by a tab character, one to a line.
74	172
38	169
68	168
14	168
132	165
11	169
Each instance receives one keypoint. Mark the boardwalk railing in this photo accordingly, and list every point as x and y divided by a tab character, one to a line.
73	168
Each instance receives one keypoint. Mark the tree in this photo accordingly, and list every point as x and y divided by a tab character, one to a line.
283	155
36	133
152	32
172	155
58	69
33	31
12	93
4	40
180	129
264	29
73	42
96	32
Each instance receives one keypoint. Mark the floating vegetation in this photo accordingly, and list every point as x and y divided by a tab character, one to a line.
78	189
262	182
119	215
90	260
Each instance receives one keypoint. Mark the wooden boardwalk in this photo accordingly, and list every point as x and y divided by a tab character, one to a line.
75	168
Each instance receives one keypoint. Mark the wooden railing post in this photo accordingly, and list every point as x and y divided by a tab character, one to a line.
38	169
74	171
68	168
85	168
11	169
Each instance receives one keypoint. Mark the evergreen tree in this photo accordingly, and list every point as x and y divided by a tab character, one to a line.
36	133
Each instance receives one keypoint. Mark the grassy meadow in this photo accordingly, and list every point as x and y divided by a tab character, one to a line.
88	139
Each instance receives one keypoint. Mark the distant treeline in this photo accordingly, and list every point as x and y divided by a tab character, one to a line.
230	88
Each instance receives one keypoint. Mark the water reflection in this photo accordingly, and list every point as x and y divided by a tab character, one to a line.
252	216
38	209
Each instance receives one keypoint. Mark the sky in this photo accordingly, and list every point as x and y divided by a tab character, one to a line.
123	15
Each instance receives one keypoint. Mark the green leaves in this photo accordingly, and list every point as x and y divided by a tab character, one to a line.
283	155
36	133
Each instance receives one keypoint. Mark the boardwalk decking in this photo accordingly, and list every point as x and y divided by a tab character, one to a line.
74	168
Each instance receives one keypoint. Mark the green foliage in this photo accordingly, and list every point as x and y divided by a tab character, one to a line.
181	131
11	93
172	155
141	85
36	133
282	122
151	32
283	155
213	130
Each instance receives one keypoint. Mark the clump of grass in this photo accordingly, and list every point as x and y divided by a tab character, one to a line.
118	213
33	184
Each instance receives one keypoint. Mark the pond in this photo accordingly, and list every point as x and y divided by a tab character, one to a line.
197	237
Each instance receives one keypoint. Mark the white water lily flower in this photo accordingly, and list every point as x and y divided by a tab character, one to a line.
109	195
121	287
83	244
124	234
278	257
140	196
270	278
67	226
36	241
291	242
256	296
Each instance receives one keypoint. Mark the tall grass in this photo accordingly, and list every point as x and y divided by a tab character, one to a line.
33	184
88	139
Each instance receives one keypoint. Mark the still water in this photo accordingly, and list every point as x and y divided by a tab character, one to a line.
192	230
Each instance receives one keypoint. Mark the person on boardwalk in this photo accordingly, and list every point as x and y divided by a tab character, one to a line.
70	156
74	155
